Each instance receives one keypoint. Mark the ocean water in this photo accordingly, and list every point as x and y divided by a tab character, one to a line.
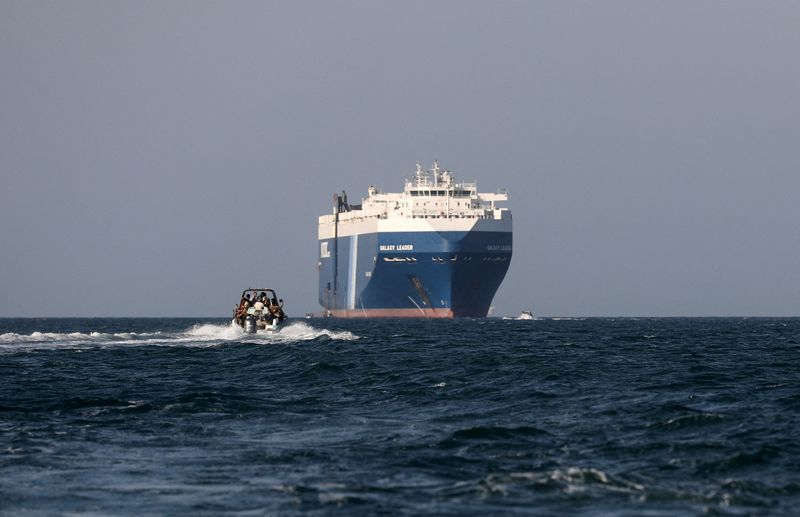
469	417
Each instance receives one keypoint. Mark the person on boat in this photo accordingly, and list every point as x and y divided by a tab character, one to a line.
241	311
259	305
275	310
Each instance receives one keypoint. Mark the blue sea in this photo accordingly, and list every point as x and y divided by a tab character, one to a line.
401	417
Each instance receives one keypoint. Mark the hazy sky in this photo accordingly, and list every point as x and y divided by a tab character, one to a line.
158	157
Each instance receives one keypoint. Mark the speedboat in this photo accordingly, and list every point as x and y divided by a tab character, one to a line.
259	309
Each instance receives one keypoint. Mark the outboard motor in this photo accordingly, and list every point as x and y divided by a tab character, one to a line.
250	325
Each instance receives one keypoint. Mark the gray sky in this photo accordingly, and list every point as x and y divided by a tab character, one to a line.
157	157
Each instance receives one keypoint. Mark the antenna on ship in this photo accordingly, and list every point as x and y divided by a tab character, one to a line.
435	171
420	174
446	178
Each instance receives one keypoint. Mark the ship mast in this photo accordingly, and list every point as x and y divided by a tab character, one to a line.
420	176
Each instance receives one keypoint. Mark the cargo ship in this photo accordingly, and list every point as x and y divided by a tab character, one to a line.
439	249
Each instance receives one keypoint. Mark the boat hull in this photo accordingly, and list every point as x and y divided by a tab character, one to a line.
421	274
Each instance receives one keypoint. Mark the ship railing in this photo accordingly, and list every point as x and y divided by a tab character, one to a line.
453	214
351	217
367	217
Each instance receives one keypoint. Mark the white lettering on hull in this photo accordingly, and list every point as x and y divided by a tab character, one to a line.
396	247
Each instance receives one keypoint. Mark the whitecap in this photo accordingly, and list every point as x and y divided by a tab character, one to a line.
202	335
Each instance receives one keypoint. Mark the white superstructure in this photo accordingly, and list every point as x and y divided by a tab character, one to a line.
431	201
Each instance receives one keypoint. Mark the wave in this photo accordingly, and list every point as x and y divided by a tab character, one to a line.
303	332
203	335
569	480
689	421
50	337
498	434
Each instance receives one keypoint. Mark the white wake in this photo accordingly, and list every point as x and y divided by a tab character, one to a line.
203	335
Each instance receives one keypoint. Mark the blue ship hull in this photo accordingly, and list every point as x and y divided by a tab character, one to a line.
413	274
